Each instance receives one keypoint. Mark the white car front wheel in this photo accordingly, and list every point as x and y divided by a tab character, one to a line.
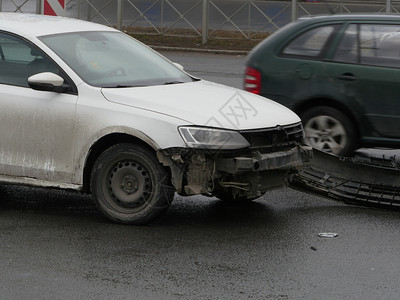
129	185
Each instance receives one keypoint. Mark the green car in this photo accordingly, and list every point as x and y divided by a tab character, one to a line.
339	73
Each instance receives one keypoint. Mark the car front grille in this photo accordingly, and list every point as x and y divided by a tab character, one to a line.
275	137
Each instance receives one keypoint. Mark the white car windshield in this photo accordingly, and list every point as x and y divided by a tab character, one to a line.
113	59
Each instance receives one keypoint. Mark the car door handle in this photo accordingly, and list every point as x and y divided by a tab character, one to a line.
347	77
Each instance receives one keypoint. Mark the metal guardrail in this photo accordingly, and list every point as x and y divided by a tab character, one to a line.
208	19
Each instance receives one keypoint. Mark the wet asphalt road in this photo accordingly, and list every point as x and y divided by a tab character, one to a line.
56	245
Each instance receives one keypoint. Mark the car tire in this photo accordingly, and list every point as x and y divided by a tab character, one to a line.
329	130
129	185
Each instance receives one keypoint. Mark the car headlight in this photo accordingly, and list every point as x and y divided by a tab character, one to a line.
211	138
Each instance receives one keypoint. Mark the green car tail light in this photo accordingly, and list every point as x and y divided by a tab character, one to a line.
252	81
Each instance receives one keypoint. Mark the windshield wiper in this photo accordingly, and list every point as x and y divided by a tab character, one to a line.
122	86
172	82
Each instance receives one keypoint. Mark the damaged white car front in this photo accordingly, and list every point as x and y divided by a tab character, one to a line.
236	165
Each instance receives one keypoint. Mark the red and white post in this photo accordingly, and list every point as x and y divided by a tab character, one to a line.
53	7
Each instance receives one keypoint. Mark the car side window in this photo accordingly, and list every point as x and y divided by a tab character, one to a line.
380	45
19	60
310	43
370	44
347	50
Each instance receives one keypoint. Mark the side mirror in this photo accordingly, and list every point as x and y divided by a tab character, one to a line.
46	81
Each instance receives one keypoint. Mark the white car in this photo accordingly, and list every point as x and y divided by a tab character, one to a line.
86	107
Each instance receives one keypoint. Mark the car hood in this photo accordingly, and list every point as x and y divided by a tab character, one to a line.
205	103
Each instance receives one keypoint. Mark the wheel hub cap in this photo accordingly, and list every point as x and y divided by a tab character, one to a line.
129	184
326	133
